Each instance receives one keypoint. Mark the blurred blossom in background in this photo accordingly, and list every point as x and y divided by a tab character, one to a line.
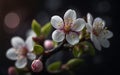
16	17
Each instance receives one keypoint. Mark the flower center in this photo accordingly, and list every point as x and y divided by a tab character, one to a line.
67	28
98	29
23	51
95	32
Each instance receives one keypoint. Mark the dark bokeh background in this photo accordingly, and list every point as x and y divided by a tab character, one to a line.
23	11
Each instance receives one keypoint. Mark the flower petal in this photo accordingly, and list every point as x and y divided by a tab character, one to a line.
108	34
72	38
29	43
11	54
21	63
69	16
78	24
31	56
98	22
30	33
58	35
89	18
95	41
103	23
57	22
105	43
89	27
17	42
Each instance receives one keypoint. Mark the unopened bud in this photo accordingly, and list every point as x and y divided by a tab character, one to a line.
48	44
12	71
37	66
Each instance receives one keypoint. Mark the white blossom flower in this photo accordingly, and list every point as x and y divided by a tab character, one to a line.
98	33
21	51
68	28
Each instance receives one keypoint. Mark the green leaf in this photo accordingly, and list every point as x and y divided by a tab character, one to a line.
54	67
74	63
46	29
38	49
36	27
90	49
77	52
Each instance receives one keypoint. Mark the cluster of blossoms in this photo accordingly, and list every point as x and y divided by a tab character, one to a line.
68	30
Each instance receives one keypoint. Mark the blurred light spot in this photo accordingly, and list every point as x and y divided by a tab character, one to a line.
103	6
12	20
53	4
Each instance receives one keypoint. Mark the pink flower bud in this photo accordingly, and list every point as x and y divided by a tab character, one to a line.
48	44
12	71
37	66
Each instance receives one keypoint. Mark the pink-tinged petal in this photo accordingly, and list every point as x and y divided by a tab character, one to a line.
29	43
57	22
58	35
17	42
21	63
89	18
98	22
11	54
69	16
78	24
31	56
72	38
95	41
89	27
105	43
